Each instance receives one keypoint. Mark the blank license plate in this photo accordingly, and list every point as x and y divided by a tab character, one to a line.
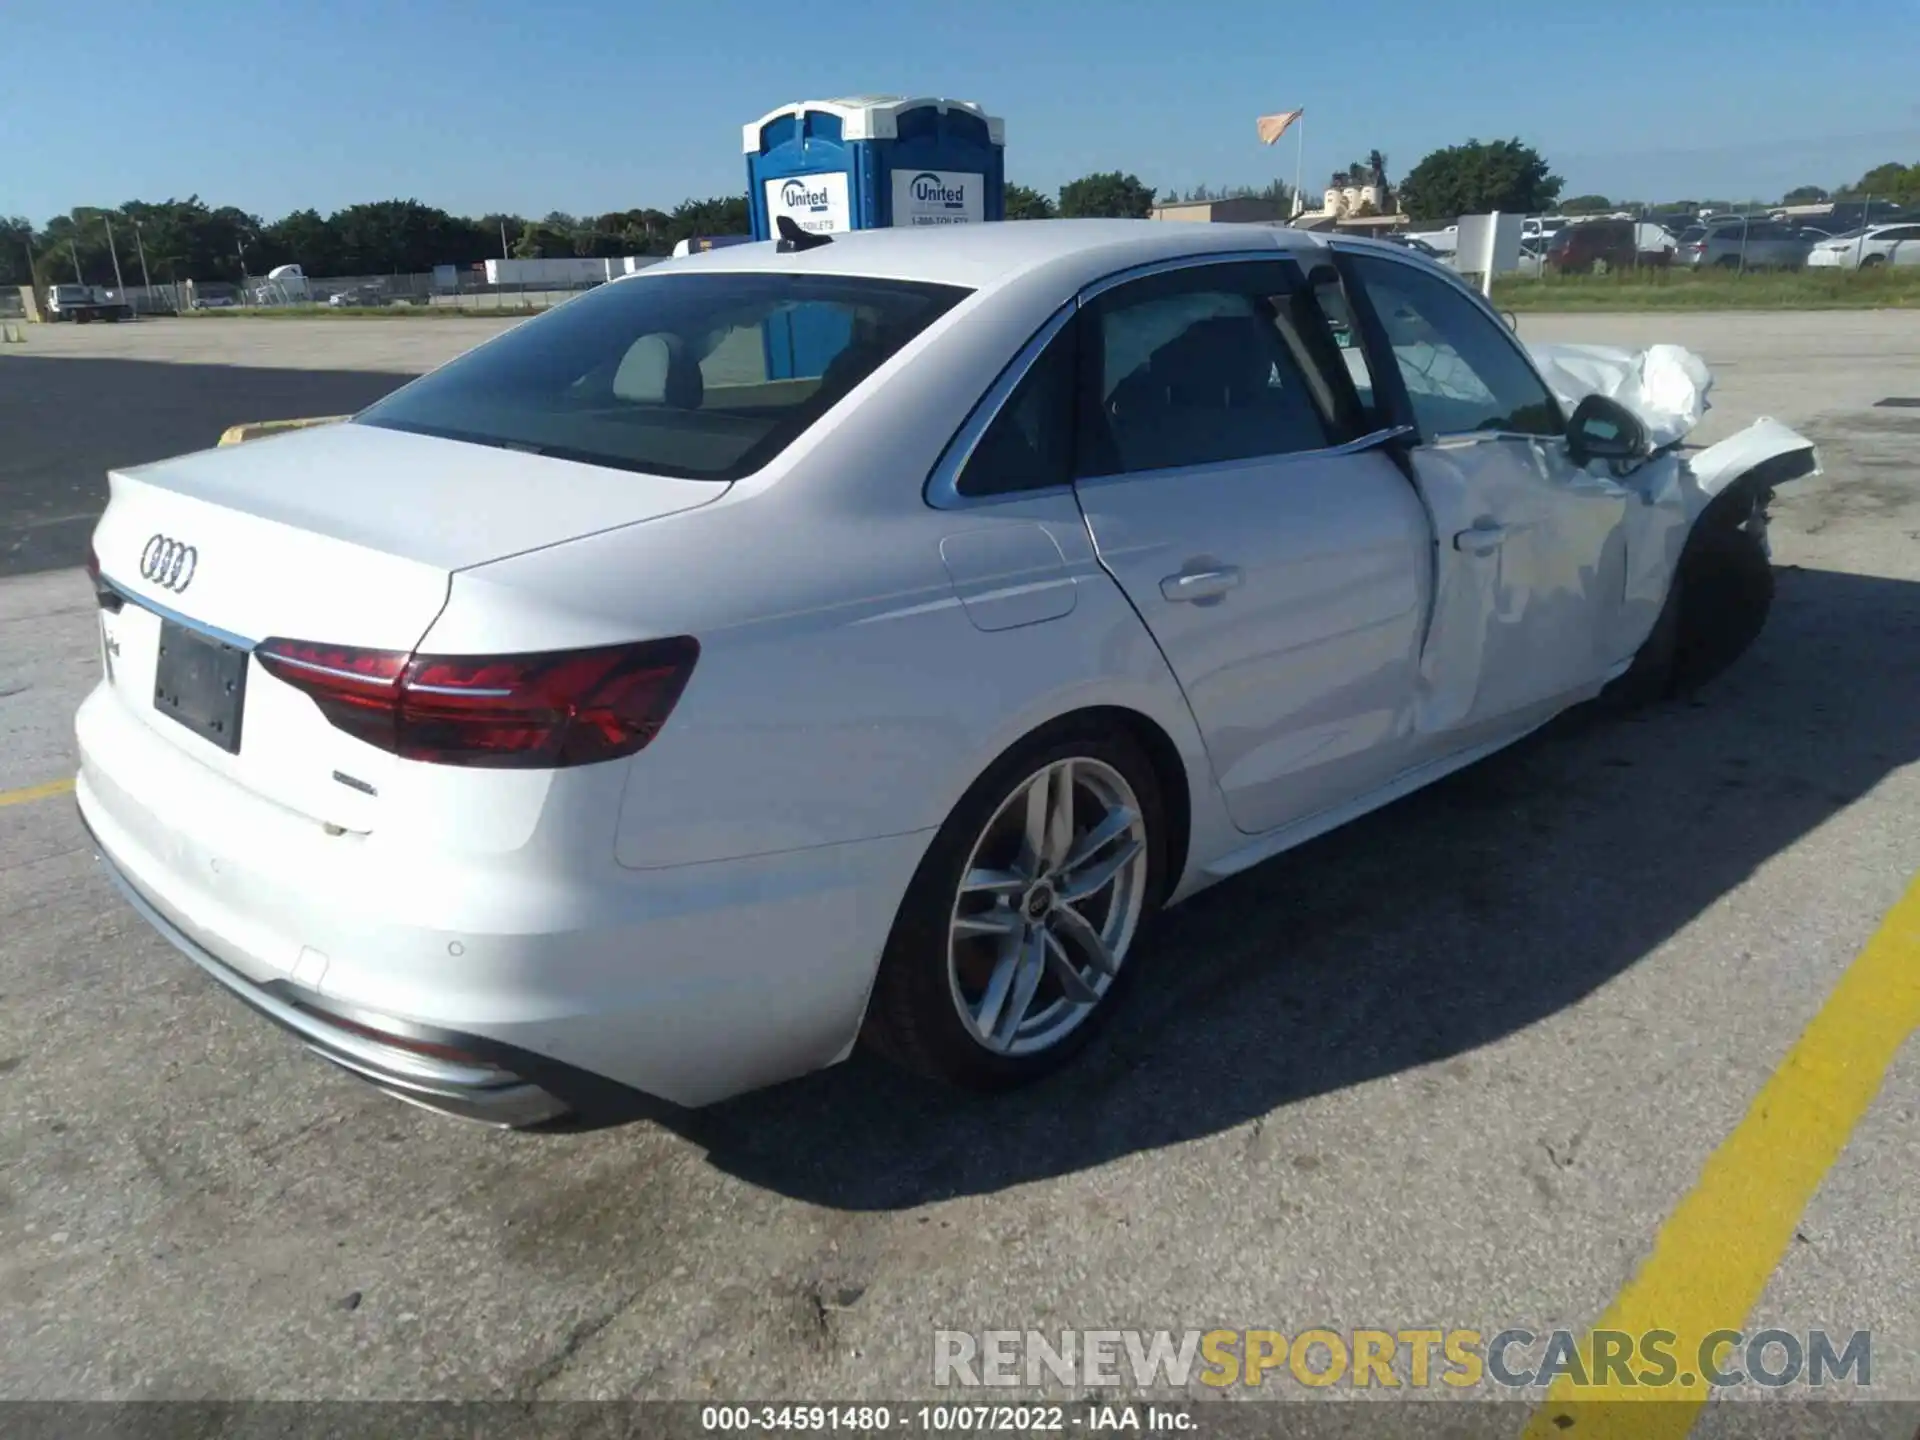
202	684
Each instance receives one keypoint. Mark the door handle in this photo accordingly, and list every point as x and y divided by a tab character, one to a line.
1201	584
1481	539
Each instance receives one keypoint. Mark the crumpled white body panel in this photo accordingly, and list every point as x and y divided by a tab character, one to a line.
1669	387
1665	385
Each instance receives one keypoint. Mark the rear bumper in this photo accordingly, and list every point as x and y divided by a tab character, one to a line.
545	965
480	1089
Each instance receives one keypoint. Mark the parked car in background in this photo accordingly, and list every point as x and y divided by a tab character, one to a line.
82	304
1751	245
1612	244
358	295
1415	243
1847	216
1867	249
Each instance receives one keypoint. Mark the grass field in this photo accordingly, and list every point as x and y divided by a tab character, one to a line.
1881	288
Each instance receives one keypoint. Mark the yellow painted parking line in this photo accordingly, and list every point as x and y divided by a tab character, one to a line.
1714	1255
34	792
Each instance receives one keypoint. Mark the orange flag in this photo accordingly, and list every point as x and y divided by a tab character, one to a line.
1272	127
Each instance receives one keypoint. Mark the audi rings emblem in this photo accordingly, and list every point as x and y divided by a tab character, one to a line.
168	563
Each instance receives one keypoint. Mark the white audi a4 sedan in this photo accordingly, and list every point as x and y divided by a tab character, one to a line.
810	642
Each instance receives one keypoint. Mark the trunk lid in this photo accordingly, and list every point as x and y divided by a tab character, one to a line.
345	535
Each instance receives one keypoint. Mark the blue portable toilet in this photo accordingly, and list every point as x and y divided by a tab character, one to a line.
870	161
864	163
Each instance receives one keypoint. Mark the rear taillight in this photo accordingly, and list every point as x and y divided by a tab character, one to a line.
525	712
104	594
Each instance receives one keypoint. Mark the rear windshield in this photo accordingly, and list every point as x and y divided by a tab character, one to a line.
702	377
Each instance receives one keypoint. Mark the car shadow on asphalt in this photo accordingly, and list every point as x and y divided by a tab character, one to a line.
1464	913
65	422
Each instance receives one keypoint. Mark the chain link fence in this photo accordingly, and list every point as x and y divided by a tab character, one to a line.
450	287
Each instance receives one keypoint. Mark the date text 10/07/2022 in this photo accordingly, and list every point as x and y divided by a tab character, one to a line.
945	1419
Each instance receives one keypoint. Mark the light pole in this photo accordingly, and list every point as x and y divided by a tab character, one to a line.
140	244
119	285
74	250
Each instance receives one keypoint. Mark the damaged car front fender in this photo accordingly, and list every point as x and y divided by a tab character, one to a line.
1695	506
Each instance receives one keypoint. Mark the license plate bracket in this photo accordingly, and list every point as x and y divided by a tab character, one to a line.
201	683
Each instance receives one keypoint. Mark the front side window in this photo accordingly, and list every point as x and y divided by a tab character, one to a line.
699	377
1462	371
1194	367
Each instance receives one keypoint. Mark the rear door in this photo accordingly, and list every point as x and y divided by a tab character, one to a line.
1271	545
1906	245
1530	548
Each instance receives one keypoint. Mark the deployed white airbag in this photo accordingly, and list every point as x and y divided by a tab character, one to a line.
1665	385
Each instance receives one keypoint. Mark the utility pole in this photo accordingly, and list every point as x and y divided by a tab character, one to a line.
119	285
74	250
503	240
140	244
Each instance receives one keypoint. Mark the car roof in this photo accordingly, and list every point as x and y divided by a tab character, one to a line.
981	256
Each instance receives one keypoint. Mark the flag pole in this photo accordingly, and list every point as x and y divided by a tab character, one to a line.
1299	162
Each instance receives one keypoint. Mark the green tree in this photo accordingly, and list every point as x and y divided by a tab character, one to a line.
1586	205
717	215
1891	181
305	239
1476	177
1024	204
492	228
16	248
1108	193
539	240
1804	195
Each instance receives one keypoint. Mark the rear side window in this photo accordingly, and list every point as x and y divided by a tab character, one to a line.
701	377
1029	445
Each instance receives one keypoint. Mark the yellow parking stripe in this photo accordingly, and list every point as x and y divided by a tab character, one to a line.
34	792
1712	1259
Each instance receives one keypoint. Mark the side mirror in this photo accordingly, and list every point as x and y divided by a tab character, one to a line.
1604	429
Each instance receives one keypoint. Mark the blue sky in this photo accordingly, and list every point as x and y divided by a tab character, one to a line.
532	107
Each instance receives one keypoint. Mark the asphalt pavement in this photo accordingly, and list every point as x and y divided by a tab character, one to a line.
1455	1065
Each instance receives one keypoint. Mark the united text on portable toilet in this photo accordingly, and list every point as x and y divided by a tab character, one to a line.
863	163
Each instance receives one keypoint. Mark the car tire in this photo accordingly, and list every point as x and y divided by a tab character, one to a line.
1728	262
1725	588
1716	607
1871	261
952	949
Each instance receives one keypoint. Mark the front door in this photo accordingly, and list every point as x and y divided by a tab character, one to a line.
1530	549
1280	560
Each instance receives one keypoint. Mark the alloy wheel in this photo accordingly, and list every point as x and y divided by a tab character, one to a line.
1047	906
